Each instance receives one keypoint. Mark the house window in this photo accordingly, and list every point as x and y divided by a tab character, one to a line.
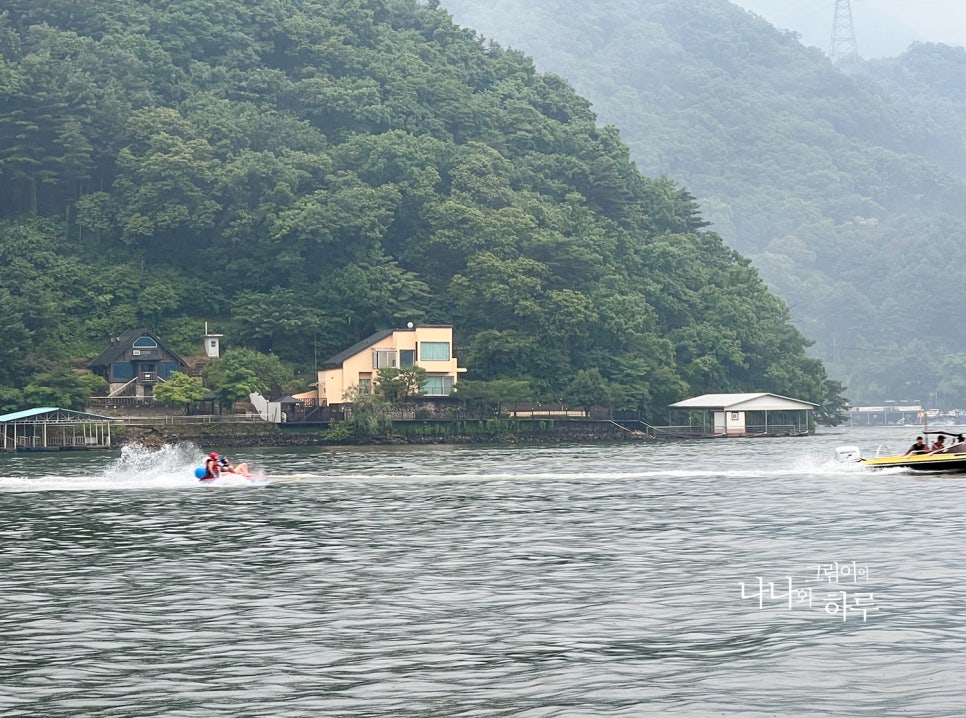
382	358
365	387
438	386
407	357
145	343
166	368
434	351
122	370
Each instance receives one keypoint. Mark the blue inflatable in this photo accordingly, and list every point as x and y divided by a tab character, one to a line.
200	472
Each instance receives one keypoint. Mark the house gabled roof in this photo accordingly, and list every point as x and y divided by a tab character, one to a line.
760	401
122	343
336	361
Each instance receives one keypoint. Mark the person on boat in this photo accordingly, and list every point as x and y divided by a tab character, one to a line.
241	469
920	447
940	444
212	467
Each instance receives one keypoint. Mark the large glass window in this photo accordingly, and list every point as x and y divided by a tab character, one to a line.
438	386
166	368
122	370
382	358
434	351
407	357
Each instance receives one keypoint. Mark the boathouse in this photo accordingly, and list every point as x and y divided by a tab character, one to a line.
733	415
52	429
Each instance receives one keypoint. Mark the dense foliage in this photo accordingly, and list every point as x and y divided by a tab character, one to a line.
846	186
301	173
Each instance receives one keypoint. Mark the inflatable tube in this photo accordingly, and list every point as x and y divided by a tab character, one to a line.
200	472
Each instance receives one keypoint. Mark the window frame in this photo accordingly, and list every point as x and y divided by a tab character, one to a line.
425	355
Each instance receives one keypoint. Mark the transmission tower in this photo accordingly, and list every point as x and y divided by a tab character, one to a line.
842	47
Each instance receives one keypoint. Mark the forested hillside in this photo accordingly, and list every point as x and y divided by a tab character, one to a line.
845	186
301	173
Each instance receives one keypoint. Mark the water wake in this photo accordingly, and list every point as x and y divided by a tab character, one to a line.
138	467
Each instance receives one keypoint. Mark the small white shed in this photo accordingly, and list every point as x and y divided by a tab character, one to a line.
212	343
758	414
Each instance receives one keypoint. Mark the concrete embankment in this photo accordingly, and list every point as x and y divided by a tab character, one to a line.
245	434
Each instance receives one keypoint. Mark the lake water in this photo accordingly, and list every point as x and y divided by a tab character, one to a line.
578	580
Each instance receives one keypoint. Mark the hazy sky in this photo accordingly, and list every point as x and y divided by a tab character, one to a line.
883	28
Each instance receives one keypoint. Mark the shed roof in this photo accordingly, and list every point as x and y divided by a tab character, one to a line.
743	402
54	414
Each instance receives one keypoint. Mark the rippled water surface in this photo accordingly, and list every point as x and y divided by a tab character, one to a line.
579	580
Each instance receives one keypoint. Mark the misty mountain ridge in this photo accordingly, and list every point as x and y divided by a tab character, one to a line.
846	185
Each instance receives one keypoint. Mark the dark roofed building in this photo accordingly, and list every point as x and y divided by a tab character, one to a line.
134	362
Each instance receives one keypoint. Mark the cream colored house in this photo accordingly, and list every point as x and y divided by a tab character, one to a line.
429	347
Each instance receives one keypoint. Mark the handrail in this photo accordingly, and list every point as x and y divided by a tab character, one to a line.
121	388
648	429
193	419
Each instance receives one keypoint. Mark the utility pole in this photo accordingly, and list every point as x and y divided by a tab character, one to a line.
842	47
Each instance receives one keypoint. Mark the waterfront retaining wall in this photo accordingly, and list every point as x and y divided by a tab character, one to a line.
467	432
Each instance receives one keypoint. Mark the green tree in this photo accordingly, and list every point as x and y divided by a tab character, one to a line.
241	372
271	371
95	385
58	387
588	388
15	339
395	384
832	410
11	399
165	182
496	392
237	384
368	415
276	321
180	390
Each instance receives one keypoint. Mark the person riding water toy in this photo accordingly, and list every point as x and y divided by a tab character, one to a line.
212	467
226	467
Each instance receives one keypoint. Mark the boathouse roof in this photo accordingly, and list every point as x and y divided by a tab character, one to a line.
761	401
53	413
